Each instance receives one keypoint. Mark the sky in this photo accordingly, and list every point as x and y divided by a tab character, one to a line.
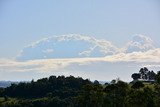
25	23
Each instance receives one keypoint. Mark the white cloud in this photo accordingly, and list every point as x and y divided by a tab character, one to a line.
148	56
79	46
151	56
67	46
48	51
84	56
139	43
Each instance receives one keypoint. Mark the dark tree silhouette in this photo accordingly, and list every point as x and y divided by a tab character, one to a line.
158	77
136	76
96	82
151	75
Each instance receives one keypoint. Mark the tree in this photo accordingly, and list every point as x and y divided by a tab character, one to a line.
136	98
145	69
151	75
113	81
1	92
137	85
91	96
115	94
106	83
136	76
158	77
96	82
143	72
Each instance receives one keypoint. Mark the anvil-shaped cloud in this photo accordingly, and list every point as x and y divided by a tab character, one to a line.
82	56
67	46
79	46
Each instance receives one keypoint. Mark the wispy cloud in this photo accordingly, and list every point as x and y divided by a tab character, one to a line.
46	65
148	56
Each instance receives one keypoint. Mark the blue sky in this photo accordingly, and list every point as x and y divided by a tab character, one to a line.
96	39
25	21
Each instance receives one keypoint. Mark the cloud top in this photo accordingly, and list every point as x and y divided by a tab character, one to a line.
139	43
79	46
67	46
82	56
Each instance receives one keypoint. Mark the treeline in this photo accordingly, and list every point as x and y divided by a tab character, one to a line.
59	86
69	91
144	74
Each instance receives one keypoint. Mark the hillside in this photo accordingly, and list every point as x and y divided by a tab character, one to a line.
70	91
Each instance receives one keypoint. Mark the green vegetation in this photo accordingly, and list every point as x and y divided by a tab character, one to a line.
76	92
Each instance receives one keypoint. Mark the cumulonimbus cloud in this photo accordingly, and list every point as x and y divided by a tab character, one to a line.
79	46
139	43
146	54
67	46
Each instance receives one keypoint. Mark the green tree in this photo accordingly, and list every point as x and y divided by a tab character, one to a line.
115	94
138	85
158	77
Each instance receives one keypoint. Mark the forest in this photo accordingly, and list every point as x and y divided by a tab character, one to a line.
61	91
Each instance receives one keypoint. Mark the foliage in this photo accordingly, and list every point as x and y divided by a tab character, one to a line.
144	74
136	76
158	77
76	92
138	85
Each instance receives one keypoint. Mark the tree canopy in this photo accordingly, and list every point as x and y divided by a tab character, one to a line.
70	91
